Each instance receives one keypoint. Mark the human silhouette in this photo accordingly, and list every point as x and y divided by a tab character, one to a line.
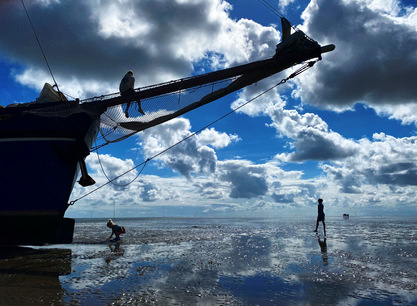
127	88
320	216
117	230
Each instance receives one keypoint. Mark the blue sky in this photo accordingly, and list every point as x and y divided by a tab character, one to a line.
344	131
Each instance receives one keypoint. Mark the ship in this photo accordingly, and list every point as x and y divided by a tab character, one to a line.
44	143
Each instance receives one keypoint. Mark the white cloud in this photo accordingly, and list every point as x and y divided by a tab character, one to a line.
385	161
187	157
382	170
359	168
112	167
407	114
374	62
283	4
96	42
375	59
246	180
211	137
311	137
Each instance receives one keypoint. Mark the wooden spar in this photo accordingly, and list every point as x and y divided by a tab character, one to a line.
253	73
249	73
295	49
182	84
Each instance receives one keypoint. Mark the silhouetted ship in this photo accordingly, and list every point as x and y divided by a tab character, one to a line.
43	144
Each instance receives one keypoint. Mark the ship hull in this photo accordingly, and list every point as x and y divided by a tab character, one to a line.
40	157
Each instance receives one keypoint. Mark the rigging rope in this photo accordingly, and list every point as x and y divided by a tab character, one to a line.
276	12
40	46
306	66
269	6
111	181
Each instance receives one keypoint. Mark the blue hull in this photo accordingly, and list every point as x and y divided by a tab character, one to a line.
40	158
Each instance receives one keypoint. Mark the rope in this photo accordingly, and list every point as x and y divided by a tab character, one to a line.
276	12
111	181
297	72
40	46
269	6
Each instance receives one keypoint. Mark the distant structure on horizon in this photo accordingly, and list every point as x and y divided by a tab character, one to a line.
346	216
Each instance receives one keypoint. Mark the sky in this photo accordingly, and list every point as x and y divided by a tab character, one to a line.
344	131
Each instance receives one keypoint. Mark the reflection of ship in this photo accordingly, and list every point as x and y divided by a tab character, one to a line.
31	276
43	144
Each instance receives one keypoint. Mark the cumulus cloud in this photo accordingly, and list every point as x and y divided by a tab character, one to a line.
283	4
375	63
210	190
382	169
215	139
312	139
385	161
294	193
96	42
257	98
150	192
375	60
246	181
192	158
353	164
259	184
406	114
112	167
187	157
131	192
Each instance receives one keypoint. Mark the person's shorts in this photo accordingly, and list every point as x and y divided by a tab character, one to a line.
320	218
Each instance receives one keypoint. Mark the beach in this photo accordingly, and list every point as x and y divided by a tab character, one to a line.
220	261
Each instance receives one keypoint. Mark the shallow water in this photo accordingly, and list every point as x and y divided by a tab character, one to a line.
193	261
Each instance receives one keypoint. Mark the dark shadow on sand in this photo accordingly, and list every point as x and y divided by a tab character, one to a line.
32	275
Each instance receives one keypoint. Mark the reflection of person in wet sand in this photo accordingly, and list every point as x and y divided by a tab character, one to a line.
116	251
323	248
320	216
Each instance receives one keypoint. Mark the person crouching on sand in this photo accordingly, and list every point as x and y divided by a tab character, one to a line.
115	229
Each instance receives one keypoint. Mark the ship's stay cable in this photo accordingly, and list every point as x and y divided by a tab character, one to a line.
40	46
276	12
306	66
270	7
112	181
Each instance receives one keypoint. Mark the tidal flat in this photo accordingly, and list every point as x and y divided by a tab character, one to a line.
220	261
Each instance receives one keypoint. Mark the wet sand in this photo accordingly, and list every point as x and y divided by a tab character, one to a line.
191	261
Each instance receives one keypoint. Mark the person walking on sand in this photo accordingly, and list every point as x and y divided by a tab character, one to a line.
116	230
127	88
320	216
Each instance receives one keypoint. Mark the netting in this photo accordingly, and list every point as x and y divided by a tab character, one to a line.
121	121
124	119
123	116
